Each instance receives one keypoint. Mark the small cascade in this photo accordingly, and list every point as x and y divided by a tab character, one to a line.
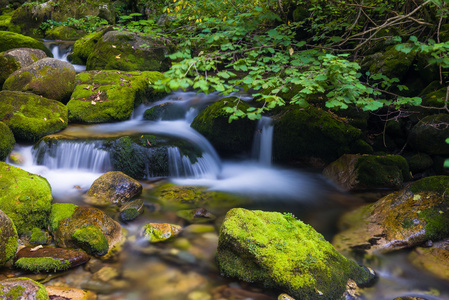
73	155
181	166
263	141
61	50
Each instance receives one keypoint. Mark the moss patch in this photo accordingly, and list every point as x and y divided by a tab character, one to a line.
41	264
91	239
60	211
382	171
7	141
11	40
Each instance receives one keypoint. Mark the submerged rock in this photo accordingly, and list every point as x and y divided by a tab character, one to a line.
159	232
7	141
22	288
354	172
8	238
131	210
166	111
113	188
47	259
399	220
48	77
284	253
30	116
26	198
198	215
434	260
65	293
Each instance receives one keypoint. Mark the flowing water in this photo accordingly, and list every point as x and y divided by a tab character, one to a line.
169	272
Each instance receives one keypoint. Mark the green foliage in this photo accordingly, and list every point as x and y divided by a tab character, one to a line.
87	24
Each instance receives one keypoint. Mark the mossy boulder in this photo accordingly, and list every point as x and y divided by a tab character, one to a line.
9	240
89	229
228	139
434	260
109	96
30	116
22	288
84	46
159	232
403	219
14	59
64	33
129	51
10	40
302	134
60	211
49	77
430	134
113	188
131	210
166	111
355	172
26	198
7	141
419	162
284	253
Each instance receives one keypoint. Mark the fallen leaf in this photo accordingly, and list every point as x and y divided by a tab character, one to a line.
93	102
60	119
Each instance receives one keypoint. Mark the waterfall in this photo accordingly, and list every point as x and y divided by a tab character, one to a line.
263	141
61	50
181	166
73	155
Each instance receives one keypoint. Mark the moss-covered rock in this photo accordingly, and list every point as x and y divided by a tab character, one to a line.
60	211
14	59
26	198
419	162
301	134
7	141
227	138
430	134
129	51
22	288
198	215
434	260
166	111
109	96
353	172
89	229
64	33
113	188
49	77
131	210
284	253
9	240
10	40
159	232
84	46
399	220
30	116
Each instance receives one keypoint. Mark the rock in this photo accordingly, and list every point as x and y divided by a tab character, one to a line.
227	138
84	46
8	239
166	111
22	288
434	260
10	40
284	253
65	293
26	198
109	96
131	210
310	133
198	215
47	259
89	229
7	141
14	59
48	77
429	135
399	220
64	33
159	232
227	292
129	51
113	188
30	116
60	211
419	162
37	236
355	172
16	158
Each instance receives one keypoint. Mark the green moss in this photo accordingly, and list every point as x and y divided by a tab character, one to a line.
8	65
64	33
60	211
438	184
11	40
20	291
12	293
7	141
41	264
38	237
24	197
437	220
382	171
91	239
83	47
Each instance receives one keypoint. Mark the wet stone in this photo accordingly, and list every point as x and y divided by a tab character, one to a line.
45	259
158	232
63	293
23	289
198	215
131	210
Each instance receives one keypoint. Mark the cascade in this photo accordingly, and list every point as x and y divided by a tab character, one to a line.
61	51
263	141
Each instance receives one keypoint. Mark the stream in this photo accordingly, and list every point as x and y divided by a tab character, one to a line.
170	272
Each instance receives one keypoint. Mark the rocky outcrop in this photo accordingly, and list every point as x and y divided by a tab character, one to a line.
8	238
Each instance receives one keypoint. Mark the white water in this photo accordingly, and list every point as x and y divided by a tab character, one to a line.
61	54
263	141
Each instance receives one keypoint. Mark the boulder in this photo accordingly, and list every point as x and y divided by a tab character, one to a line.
10	40
166	111
30	116
64	33
66	293
113	188
131	210
430	134
26	198
49	77
22	288
89	229
434	260
284	253
403	219
311	133
7	141
109	96
159	232
228	138
129	51
84	46
46	259
14	59
356	172
9	240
